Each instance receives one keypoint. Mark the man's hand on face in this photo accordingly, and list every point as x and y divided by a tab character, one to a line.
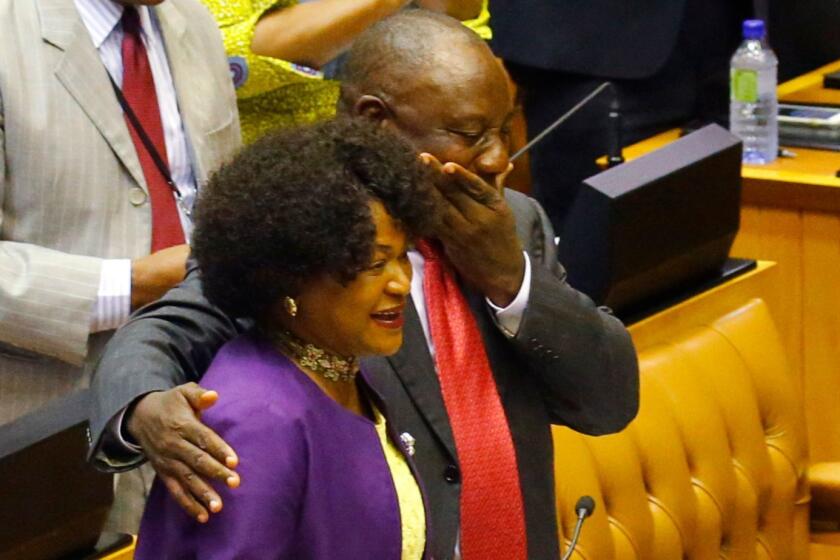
182	450
478	230
153	275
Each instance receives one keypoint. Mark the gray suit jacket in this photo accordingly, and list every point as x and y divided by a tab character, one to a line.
70	180
570	363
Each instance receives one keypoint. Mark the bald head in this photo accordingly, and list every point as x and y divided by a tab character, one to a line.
433	81
403	49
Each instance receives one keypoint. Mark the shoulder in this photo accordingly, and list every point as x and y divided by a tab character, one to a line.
194	9
533	227
256	383
19	19
194	19
523	206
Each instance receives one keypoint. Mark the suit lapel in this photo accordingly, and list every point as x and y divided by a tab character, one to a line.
415	369
82	73
193	81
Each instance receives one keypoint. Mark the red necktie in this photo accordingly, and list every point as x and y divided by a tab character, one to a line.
139	90
492	514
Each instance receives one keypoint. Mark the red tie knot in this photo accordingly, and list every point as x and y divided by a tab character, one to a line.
431	249
131	21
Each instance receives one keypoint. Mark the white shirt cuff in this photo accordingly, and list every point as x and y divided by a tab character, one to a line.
113	300
509	318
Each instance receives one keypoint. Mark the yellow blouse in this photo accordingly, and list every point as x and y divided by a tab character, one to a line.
275	93
412	512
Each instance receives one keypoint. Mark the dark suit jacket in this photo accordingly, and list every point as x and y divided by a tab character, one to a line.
602	38
570	363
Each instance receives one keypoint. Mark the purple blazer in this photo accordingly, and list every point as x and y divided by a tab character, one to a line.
315	483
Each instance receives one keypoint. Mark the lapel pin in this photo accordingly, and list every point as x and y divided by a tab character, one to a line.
408	442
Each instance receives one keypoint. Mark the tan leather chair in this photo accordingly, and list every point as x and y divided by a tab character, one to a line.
715	464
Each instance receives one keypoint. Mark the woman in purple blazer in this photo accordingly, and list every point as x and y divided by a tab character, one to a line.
305	233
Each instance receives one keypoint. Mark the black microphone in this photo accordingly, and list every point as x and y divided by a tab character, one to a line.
614	121
614	155
583	508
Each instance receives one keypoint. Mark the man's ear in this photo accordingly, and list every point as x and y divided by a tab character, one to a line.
371	107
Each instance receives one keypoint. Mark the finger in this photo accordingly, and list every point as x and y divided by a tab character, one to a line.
428	159
434	166
196	487
207	453
443	206
196	395
200	435
502	177
472	196
457	186
443	181
471	184
207	399
184	499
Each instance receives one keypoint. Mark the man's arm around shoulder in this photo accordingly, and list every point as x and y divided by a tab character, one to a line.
167	343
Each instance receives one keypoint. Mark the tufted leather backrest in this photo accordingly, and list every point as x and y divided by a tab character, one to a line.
714	465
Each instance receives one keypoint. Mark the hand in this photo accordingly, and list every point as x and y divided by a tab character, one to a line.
182	450
153	275
478	230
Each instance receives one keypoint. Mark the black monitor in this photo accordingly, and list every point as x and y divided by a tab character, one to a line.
659	228
53	504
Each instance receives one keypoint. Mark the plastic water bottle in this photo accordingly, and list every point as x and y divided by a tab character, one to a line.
752	99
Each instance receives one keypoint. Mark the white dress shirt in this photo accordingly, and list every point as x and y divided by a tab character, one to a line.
507	319
101	18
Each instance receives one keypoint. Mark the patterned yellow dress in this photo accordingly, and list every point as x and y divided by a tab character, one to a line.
276	93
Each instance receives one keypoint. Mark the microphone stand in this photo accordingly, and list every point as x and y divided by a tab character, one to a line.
614	155
615	121
584	508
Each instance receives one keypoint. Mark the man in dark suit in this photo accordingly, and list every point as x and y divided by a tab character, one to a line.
554	356
669	61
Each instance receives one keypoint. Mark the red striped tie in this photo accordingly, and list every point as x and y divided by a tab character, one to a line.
139	90
492	514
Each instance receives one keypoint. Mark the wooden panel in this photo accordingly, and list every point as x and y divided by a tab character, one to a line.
821	332
776	234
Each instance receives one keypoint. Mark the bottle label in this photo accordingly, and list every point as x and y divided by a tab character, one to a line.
744	85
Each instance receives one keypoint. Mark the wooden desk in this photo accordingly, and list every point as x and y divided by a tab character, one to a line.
791	214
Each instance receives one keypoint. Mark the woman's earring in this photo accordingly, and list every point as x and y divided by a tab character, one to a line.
291	306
